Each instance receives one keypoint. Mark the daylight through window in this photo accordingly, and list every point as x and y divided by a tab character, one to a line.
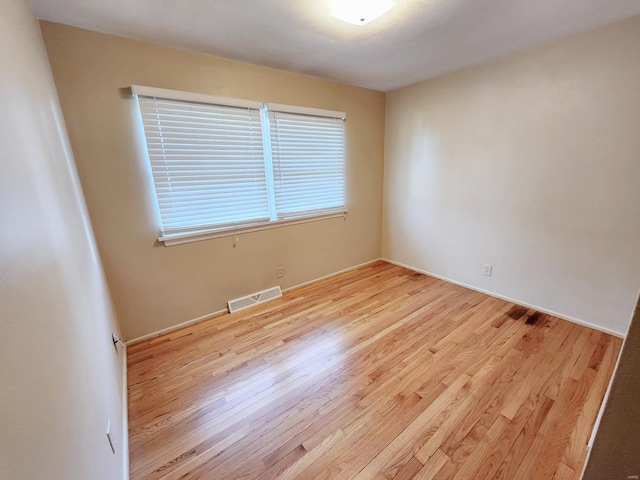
220	165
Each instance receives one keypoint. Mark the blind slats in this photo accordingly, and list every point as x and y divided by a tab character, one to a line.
308	162
209	167
207	163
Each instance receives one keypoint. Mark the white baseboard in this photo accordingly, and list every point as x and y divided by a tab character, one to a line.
173	328
511	300
125	416
222	312
440	277
324	277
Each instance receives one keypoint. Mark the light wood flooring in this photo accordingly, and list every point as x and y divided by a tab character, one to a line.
376	373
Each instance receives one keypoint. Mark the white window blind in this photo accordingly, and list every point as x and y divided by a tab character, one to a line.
207	163
308	163
225	165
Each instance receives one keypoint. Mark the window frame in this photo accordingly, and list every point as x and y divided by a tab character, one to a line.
265	108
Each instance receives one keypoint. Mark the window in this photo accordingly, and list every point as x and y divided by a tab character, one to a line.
308	162
223	165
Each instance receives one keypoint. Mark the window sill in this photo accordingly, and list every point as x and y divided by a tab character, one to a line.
181	238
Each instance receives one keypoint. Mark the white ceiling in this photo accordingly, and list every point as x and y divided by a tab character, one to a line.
416	40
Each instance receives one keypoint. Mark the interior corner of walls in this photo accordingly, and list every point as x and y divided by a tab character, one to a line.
131	263
504	159
569	318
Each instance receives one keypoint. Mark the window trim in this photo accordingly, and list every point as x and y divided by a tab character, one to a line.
194	97
316	112
232	102
179	238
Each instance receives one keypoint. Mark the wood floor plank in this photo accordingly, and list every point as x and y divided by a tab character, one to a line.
353	456
402	447
487	457
407	472
564	472
520	447
575	452
378	372
430	469
456	460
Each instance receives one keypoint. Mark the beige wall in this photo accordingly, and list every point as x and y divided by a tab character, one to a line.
61	379
530	163
153	286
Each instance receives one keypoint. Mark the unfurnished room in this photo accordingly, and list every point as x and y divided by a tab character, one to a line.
320	239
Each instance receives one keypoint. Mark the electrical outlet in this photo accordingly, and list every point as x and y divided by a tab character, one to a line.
279	272
487	270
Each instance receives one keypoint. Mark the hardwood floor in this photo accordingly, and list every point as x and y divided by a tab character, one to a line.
375	373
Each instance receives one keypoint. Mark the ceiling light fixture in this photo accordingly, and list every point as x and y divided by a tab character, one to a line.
359	12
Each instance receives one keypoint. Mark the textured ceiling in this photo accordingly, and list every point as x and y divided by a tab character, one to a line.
416	40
